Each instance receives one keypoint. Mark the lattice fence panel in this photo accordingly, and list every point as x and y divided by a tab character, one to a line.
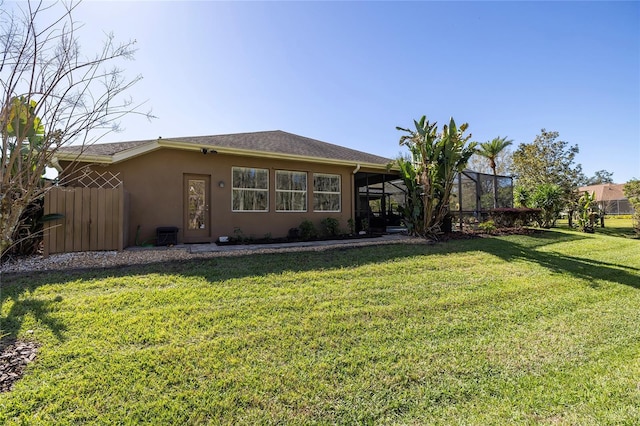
95	179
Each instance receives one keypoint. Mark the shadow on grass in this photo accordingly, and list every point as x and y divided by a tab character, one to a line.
589	270
512	248
20	308
620	228
621	232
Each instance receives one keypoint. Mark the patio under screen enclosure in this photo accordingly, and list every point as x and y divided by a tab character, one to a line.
378	197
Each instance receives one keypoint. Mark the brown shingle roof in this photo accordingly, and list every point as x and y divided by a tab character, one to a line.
606	191
103	148
272	142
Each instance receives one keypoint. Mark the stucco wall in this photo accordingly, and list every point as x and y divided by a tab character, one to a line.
154	182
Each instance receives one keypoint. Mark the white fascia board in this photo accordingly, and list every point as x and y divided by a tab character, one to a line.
83	158
160	143
108	159
263	154
135	152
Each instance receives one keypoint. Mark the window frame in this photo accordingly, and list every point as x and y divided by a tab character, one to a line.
234	189
338	193
304	191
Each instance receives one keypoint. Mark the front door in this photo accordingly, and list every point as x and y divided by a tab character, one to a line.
197	225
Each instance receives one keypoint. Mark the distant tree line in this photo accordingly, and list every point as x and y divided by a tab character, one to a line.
546	174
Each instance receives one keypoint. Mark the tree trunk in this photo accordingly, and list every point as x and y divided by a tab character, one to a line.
9	219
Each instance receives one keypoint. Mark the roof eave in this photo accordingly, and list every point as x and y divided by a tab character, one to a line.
264	154
160	143
83	158
109	159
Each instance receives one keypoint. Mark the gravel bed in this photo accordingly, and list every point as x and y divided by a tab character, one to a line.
90	259
136	256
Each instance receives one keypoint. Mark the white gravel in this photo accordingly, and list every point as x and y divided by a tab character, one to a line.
136	256
90	259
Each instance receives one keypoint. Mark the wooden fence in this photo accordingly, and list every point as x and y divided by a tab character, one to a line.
94	219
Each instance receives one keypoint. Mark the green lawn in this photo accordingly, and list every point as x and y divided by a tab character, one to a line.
538	329
613	226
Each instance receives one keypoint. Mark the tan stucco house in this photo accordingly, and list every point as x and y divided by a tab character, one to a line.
257	184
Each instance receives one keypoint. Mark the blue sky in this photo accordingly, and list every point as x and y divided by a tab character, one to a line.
350	72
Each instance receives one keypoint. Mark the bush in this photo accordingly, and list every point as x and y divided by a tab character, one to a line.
352	226
239	235
308	230
487	226
514	217
587	213
29	233
294	234
632	192
548	198
330	227
521	197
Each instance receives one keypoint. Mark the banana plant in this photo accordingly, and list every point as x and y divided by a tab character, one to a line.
437	158
587	212
21	168
412	210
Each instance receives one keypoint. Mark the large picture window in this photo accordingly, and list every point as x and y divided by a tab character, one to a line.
250	189
326	193
291	191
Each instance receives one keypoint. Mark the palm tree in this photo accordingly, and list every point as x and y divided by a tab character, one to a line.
490	150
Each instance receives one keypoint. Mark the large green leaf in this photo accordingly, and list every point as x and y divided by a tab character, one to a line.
50	217
22	121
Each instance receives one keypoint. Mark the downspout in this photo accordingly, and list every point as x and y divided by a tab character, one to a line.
357	169
56	165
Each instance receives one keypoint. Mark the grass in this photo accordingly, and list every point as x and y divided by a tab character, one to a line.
537	329
613	226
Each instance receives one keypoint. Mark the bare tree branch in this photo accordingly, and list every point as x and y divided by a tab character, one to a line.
52	97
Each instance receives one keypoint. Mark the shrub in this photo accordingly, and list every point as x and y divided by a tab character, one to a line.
294	234
330	227
587	213
239	236
521	197
548	198
308	230
514	217
352	226
487	226
632	192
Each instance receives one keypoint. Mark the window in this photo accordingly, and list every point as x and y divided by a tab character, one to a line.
197	204
326	193
291	191
250	190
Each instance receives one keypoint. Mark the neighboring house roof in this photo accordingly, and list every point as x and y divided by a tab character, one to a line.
605	191
274	144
